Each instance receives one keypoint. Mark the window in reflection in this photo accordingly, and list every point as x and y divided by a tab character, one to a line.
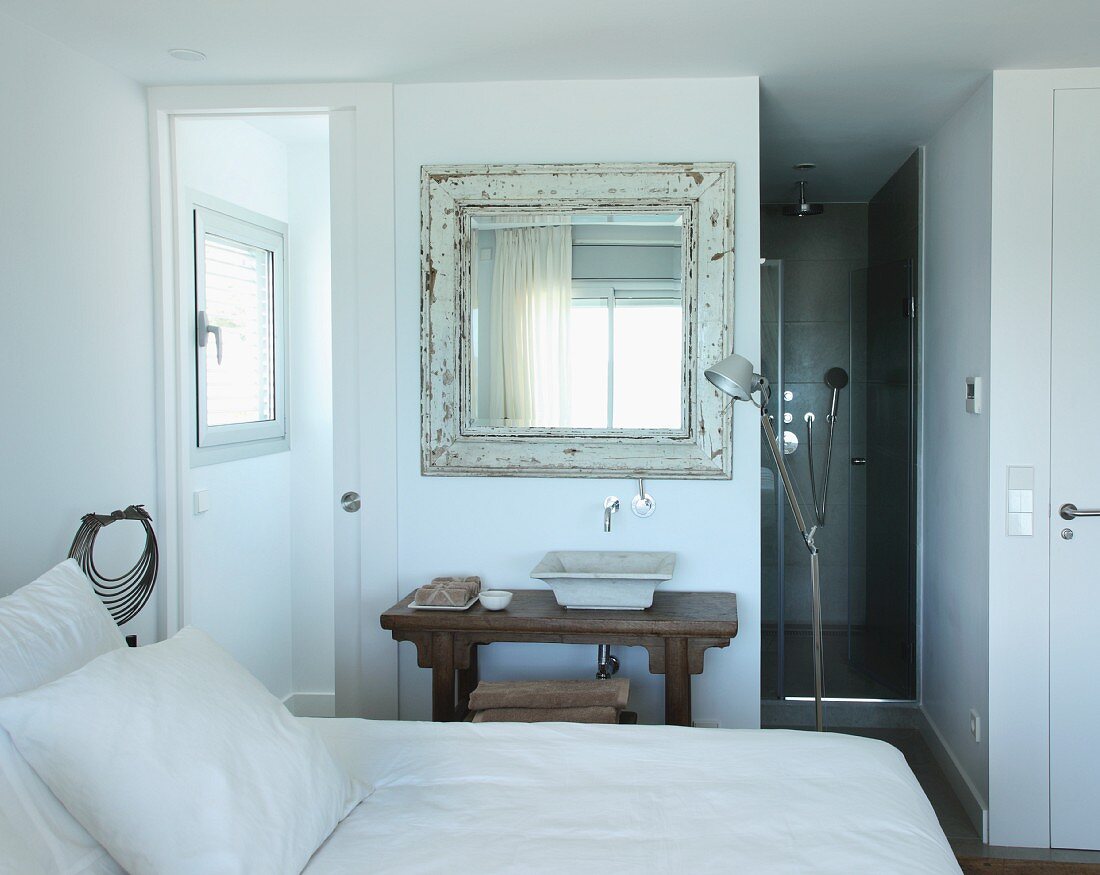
628	338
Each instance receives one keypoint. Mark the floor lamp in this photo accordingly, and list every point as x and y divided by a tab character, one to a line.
735	377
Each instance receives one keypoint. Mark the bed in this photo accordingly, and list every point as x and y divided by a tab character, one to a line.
564	798
172	759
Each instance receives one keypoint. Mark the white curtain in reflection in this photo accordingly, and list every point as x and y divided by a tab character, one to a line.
529	326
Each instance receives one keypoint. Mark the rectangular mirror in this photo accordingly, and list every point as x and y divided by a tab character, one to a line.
568	314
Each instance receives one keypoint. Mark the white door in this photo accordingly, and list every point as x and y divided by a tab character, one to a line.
1075	475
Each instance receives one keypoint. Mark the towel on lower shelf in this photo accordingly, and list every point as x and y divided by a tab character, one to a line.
453	592
589	714
611	693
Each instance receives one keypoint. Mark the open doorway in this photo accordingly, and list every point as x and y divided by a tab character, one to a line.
253	237
839	339
310	634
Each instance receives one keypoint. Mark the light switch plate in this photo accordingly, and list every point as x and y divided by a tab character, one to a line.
202	501
974	395
1020	500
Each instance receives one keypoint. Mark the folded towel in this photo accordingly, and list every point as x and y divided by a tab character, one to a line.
593	714
611	693
448	591
471	581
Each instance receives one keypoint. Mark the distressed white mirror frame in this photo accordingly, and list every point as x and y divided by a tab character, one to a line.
450	196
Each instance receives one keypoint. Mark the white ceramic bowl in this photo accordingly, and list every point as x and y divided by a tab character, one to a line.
495	599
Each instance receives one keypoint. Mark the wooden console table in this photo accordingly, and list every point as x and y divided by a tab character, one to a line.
676	631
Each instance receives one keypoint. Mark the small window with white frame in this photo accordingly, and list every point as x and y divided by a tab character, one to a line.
240	331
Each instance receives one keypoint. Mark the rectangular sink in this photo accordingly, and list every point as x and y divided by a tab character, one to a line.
610	580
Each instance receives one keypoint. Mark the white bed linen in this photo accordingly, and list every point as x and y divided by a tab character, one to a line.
557	797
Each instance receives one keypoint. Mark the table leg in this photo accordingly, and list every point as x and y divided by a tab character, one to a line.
467	683
443	677
677	683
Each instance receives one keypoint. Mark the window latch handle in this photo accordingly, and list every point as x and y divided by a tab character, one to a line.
204	328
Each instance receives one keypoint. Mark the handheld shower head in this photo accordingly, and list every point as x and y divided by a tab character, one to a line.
836	378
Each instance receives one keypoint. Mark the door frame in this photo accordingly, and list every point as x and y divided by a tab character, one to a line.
363	316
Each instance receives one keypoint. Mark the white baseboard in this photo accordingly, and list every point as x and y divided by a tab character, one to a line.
976	807
311	704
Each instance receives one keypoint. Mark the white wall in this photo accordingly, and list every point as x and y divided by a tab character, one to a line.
76	339
311	487
500	527
239	550
956	310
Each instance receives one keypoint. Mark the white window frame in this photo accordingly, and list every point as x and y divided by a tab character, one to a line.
221	443
623	292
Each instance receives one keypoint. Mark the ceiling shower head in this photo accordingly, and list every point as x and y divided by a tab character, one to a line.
836	378
802	208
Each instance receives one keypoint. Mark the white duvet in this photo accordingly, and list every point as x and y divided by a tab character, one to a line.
492	798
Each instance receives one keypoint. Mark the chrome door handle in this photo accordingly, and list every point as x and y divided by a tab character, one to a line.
1070	512
858	461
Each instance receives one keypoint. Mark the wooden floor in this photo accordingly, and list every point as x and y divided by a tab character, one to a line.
996	866
974	857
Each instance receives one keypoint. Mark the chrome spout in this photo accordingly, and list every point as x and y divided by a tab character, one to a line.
610	506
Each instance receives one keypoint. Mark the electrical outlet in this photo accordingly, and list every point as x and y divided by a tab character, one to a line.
705	724
975	726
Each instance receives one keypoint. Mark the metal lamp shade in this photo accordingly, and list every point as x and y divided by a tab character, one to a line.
734	376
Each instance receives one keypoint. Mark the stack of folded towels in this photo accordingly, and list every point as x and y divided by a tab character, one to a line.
597	701
448	592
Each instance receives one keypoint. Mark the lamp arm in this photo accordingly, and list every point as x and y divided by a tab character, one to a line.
788	486
815	569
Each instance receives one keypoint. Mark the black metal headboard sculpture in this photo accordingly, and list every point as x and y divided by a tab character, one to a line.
127	594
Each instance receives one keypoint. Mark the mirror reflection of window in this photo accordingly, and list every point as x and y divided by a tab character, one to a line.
577	321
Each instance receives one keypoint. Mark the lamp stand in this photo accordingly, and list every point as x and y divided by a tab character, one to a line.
815	569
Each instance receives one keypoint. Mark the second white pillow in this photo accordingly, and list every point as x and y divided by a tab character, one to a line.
177	760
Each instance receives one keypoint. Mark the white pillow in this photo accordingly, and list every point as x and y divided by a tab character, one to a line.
48	628
37	835
179	761
52	626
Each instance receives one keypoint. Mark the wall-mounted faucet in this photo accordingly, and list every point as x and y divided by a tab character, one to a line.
642	504
610	506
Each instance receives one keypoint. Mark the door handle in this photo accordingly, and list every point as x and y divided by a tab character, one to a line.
1070	512
204	328
858	460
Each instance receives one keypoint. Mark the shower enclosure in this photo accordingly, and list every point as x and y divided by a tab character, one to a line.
864	323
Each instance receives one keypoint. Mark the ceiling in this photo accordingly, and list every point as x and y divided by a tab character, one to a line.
853	85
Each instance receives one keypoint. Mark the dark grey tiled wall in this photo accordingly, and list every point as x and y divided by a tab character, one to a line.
819	255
